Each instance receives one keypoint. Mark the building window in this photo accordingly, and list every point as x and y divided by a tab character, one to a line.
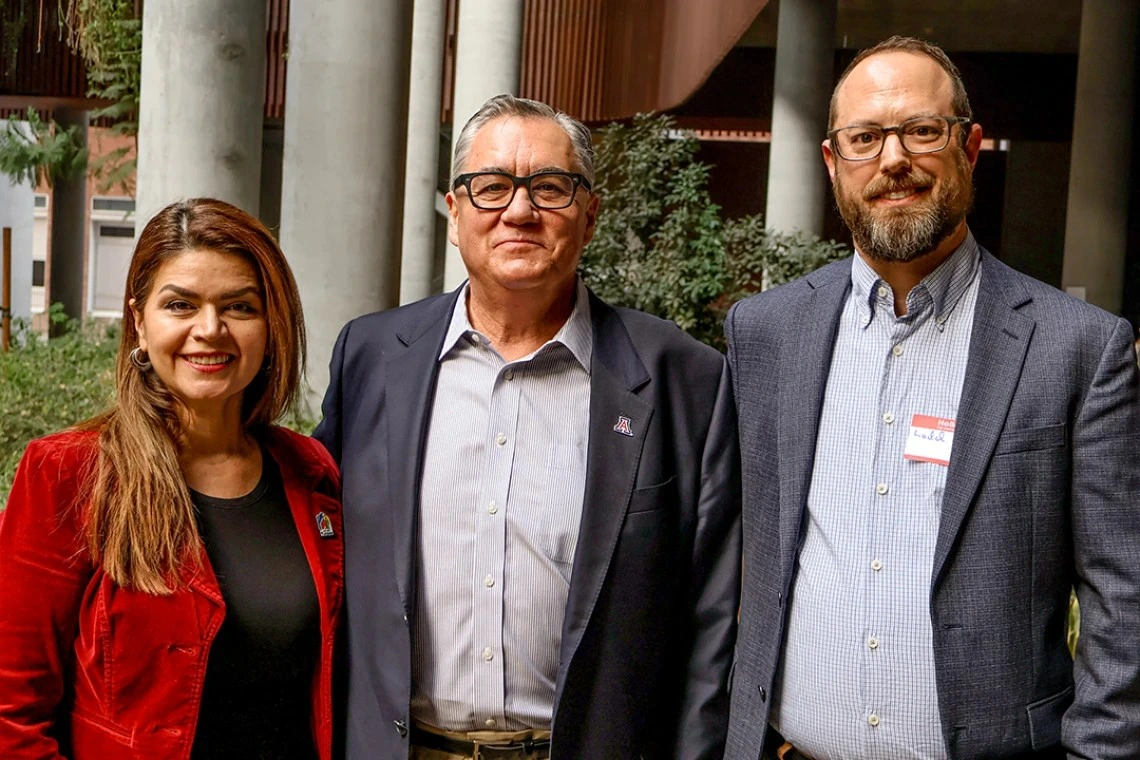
126	205
37	273
118	232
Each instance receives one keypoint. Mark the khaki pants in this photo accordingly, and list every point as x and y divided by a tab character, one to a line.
490	737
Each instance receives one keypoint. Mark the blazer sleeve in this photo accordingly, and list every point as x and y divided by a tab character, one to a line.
43	576
1104	718
329	431
714	573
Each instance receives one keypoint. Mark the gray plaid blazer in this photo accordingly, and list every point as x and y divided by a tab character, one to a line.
1042	495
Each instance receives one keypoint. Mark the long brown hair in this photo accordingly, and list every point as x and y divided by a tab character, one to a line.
140	522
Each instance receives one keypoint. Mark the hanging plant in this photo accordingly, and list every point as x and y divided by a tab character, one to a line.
108	35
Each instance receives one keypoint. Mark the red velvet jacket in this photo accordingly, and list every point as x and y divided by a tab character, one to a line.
91	671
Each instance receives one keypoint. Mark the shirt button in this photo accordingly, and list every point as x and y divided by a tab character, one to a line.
883	292
865	319
474	339
501	439
490	722
873	643
876	565
873	719
492	508
881	489
889	418
509	375
488	581
488	655
897	350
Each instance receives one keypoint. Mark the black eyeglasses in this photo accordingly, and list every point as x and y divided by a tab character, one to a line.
922	134
493	191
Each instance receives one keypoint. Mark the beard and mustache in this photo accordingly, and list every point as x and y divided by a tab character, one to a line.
905	233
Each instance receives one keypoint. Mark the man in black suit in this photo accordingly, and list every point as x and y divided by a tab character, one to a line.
541	491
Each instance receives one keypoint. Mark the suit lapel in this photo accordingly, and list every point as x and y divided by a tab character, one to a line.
807	362
410	377
611	467
998	345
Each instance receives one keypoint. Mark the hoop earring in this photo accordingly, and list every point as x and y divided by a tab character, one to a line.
140	359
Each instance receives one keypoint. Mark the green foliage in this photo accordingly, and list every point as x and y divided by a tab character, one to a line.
44	153
46	386
661	244
109	37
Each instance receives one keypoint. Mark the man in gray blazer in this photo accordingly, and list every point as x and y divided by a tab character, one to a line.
541	491
935	450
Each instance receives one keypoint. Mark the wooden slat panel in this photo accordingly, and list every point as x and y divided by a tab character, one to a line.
600	60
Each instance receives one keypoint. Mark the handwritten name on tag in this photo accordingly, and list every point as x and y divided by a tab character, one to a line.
930	440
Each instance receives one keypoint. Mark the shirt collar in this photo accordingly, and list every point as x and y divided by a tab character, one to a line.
944	287
577	333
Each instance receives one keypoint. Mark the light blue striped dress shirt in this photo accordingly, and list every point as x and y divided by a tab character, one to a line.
857	678
501	502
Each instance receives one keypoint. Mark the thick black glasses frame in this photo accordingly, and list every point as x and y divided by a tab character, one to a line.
577	180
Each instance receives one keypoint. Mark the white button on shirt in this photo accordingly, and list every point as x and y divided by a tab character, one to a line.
836	675
500	506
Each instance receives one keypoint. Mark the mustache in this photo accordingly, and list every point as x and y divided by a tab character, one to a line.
916	179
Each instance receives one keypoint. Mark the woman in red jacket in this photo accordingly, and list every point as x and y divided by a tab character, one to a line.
170	571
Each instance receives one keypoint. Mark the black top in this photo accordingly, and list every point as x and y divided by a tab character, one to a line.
257	698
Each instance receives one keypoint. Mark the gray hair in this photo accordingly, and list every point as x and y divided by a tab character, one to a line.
507	105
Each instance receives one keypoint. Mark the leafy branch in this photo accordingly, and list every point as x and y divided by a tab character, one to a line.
661	244
108	35
43	153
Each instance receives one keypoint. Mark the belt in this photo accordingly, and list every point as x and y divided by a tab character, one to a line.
776	748
511	750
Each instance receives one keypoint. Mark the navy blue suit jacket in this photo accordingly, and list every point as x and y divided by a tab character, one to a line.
651	616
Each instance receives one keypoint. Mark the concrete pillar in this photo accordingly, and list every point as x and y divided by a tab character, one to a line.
805	63
202	103
1096	222
343	173
68	256
422	168
488	56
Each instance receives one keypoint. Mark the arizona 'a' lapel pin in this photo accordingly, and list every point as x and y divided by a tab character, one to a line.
624	426
324	525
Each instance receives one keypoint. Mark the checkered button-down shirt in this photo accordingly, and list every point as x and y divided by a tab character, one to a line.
857	678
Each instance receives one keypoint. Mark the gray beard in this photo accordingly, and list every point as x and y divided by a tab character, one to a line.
902	237
905	234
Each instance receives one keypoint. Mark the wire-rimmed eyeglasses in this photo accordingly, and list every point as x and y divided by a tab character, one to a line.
922	134
494	191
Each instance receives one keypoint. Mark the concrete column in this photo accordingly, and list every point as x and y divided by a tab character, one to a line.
202	103
805	63
422	168
1096	223
488	57
68	256
343	172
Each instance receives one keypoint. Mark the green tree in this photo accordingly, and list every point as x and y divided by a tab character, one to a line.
661	243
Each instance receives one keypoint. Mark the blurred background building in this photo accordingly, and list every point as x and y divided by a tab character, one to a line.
336	125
